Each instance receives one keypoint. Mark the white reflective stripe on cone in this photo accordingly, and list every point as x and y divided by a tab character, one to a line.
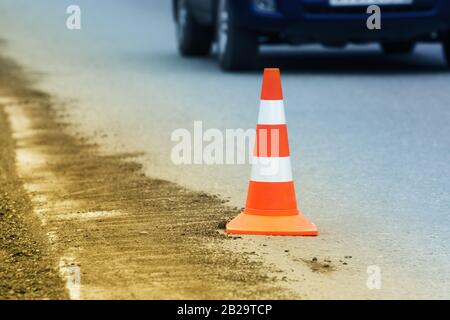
271	169
271	112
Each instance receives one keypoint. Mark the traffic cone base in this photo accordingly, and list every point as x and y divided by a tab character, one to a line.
293	225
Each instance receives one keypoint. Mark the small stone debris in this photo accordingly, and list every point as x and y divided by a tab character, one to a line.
222	224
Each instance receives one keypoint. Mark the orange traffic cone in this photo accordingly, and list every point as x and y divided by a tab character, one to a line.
271	207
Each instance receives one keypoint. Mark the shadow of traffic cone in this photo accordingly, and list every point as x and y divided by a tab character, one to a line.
271	207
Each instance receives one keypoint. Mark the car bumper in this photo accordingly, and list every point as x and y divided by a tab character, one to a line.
315	20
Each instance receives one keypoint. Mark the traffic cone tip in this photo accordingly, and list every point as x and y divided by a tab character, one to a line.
271	87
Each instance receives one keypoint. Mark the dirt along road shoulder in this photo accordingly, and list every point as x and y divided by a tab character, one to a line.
98	221
27	267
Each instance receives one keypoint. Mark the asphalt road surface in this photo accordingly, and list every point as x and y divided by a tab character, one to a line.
369	133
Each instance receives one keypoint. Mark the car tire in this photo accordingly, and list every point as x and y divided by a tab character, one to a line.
237	48
193	38
406	47
446	45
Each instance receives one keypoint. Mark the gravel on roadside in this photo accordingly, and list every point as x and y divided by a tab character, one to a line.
27	268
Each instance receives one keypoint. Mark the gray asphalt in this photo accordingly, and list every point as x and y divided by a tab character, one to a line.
369	133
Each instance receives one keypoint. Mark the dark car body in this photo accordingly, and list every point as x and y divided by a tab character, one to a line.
317	21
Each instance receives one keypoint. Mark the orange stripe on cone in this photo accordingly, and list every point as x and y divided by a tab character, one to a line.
271	141
271	207
282	200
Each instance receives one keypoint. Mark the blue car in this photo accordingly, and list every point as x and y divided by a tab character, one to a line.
240	26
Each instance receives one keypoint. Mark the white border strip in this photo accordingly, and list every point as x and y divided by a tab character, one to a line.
271	169
271	112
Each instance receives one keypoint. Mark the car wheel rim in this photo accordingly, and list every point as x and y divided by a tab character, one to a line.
182	20
223	27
